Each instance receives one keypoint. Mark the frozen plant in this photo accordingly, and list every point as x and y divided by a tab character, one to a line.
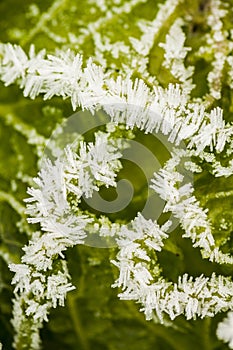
160	69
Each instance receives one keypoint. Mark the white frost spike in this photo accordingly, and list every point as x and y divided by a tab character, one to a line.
213	133
14	64
167	110
57	288
174	46
21	277
153	231
175	53
184	206
39	286
39	312
225	330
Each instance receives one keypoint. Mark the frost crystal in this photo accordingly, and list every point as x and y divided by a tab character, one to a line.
225	330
